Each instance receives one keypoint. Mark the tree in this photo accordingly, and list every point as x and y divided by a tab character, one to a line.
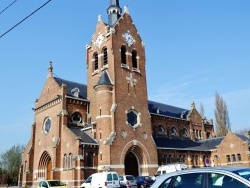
202	111
245	131
11	161
223	125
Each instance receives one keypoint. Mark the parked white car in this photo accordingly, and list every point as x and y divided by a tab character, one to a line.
170	168
102	180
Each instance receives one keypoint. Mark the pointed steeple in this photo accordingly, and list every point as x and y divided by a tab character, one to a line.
114	12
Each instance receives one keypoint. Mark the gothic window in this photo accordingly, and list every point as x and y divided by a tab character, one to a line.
105	56
70	161
90	160
161	129
76	118
173	131
134	60
208	135
169	159
123	55
95	57
238	157
228	159
25	166
65	161
233	158
185	133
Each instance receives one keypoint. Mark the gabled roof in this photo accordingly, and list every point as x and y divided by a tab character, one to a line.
83	136
163	142
167	110
72	85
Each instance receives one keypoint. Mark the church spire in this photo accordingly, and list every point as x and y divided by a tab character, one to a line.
114	12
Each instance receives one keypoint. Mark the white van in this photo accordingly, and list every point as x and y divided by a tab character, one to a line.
170	168
102	180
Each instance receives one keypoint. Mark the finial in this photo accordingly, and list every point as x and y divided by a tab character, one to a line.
99	18
126	9
193	105
50	70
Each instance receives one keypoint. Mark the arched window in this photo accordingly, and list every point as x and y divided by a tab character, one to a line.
208	134
95	57
123	55
70	161
185	133
238	157
105	56
134	59
173	131
161	129
233	158
228	158
65	161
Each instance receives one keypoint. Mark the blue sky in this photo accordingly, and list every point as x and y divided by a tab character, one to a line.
193	49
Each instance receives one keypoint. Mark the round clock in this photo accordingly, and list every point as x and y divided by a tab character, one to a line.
128	38
47	125
99	40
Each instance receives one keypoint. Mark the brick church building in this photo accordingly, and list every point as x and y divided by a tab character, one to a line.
110	124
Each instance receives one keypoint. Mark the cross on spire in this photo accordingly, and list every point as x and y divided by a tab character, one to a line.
131	80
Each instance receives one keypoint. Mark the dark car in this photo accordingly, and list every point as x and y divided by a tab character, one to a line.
144	181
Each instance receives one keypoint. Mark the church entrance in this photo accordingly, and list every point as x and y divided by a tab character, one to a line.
45	167
131	164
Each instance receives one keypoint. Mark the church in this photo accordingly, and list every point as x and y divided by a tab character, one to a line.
109	124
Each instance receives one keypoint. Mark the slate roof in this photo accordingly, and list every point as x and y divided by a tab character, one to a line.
243	137
164	109
167	110
163	142
72	85
212	143
104	79
83	136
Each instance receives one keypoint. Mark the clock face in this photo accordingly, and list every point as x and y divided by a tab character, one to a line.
128	38
99	40
47	126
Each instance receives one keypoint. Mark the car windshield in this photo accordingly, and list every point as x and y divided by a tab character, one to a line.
245	173
55	183
130	178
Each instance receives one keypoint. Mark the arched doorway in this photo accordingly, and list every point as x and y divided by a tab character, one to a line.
131	164
45	167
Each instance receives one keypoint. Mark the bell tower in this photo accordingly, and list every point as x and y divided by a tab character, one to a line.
117	90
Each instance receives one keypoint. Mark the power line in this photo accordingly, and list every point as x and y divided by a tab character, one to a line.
8	7
25	18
